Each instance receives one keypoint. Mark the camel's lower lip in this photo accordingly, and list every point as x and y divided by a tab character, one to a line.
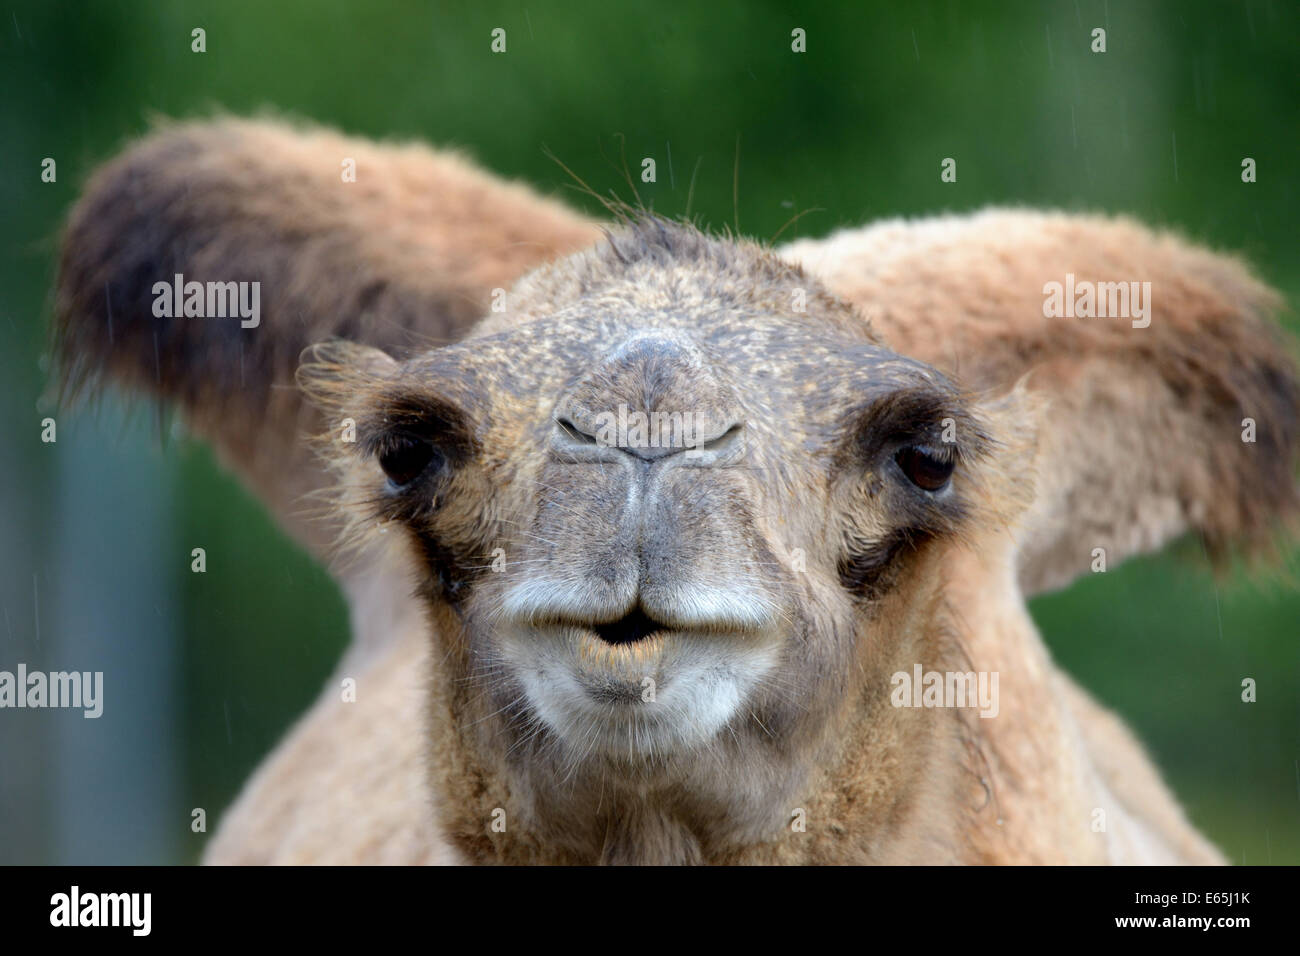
626	639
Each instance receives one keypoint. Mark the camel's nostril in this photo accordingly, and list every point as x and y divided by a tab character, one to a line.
574	433
629	628
649	437
734	435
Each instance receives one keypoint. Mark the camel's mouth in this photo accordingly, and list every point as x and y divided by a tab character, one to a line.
541	604
661	674
634	626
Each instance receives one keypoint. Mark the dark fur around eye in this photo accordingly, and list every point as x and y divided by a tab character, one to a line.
412	436
927	471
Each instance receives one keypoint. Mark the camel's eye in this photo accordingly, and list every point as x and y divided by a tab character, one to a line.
926	471
405	459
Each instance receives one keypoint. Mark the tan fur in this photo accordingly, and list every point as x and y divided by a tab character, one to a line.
1116	437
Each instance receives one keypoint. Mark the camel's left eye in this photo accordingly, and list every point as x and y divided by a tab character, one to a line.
926	471
405	459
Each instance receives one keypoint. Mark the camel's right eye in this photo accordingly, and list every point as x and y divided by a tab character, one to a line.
926	471
405	459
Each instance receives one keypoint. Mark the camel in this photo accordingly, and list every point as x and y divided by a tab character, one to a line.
578	645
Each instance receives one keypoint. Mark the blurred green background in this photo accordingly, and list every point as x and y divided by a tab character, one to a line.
205	672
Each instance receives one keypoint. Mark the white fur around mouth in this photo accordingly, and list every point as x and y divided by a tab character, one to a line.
666	693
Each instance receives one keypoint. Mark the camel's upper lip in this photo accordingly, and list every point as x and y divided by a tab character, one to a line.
539	604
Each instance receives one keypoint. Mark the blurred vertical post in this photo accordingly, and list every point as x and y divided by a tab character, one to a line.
111	608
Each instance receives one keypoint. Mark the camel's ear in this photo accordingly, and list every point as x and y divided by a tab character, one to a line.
1184	414
397	247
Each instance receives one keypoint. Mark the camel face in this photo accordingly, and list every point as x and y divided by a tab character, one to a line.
658	516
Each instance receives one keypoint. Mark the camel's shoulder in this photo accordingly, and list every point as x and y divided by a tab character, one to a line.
349	782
